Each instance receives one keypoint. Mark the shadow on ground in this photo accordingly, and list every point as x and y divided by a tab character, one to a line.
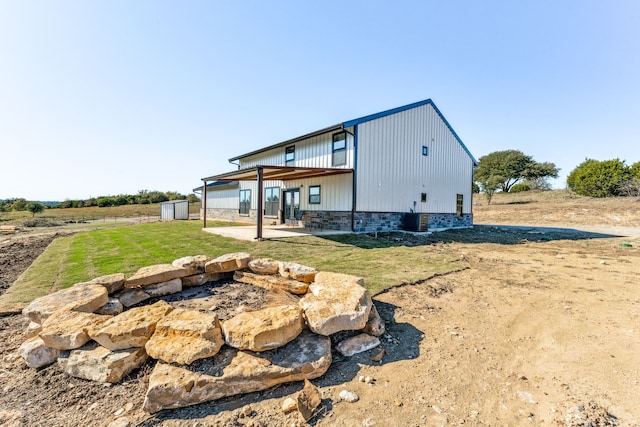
500	234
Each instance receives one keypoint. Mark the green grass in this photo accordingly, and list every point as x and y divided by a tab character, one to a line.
83	256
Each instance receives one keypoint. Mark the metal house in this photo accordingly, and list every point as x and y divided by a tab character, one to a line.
366	174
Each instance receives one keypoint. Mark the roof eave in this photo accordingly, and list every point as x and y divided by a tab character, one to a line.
290	141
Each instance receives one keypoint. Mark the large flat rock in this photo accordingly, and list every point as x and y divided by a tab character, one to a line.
295	271
194	264
112	282
66	329
264	329
156	274
82	297
97	363
336	302
184	336
228	263
235	372
132	328
272	283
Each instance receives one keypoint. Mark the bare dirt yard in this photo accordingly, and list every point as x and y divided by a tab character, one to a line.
542	327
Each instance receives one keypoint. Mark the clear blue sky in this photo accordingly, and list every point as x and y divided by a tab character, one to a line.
112	97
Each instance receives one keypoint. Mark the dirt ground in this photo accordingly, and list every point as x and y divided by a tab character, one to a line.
541	328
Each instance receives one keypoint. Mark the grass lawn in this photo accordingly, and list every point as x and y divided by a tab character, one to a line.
83	256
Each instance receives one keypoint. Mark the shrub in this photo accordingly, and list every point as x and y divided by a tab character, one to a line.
520	187
595	178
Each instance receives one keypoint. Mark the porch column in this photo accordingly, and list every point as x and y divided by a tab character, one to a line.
204	204
260	202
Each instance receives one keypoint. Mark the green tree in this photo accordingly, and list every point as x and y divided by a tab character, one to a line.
510	167
19	205
489	186
35	208
594	178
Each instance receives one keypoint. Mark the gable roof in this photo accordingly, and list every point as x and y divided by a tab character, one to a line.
354	122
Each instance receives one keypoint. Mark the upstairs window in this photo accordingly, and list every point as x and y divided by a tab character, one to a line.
425	150
290	155
339	149
314	195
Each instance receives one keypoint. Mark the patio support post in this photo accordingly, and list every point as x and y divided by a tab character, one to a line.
204	204
260	202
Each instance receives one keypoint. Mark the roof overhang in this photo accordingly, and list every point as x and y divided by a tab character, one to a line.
277	173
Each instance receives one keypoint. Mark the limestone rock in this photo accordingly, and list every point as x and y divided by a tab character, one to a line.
32	330
112	282
155	274
202	278
228	263
289	405
193	264
264	266
292	270
184	336
349	396
82	297
308	400
357	344
272	283
336	302
129	297
132	328
264	329
66	330
36	354
375	325
236	372
111	308
97	363
172	286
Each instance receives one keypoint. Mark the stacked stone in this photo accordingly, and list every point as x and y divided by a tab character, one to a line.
93	334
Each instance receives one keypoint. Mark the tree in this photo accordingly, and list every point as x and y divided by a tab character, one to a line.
510	167
489	186
35	208
594	178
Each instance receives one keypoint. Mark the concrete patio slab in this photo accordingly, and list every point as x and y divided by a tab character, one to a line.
249	232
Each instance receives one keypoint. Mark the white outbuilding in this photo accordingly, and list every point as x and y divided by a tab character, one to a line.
174	209
403	168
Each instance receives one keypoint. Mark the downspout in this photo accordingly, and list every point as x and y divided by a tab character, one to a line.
235	164
354	181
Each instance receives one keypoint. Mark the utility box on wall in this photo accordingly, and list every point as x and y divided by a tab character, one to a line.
175	209
416	222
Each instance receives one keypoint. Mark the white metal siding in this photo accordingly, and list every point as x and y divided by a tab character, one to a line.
226	198
174	210
335	192
314	152
181	210
392	172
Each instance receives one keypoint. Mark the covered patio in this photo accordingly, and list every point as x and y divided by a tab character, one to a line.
278	173
248	232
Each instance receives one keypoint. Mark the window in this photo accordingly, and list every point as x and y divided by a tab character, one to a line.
339	149
314	195
290	155
271	201
425	150
459	200
245	202
423	197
